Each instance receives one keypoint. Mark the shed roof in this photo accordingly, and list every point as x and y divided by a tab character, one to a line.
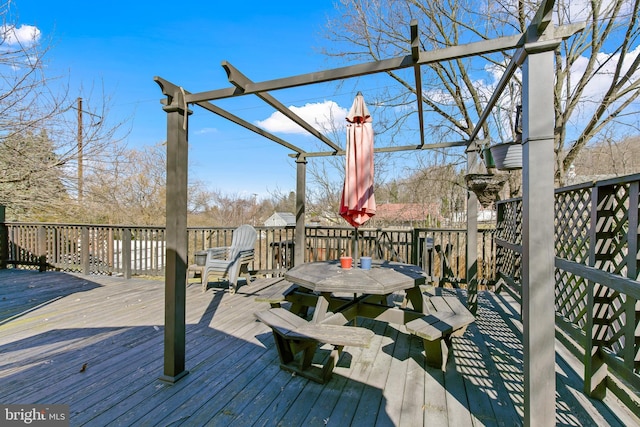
287	217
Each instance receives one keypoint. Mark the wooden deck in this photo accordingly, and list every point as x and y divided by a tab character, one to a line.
96	344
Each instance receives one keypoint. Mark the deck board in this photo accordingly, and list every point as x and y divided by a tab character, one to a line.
53	324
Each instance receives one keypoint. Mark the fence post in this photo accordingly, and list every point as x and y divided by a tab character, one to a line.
110	249
631	336
42	248
55	255
126	253
84	249
595	369
497	262
4	239
415	242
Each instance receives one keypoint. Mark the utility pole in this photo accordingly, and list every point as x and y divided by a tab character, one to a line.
80	172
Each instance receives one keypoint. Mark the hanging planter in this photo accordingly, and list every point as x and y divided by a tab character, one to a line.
487	157
486	187
507	155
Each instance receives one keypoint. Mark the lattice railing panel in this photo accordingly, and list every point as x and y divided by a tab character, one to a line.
571	297
509	263
611	246
607	243
609	319
509	227
573	213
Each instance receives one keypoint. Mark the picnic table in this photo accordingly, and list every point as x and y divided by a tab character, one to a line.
343	295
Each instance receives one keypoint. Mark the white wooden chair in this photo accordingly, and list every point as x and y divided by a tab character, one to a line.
231	261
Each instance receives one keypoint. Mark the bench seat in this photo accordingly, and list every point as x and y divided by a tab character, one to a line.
297	341
447	317
276	293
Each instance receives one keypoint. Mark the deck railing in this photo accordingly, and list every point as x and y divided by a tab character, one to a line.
597	271
128	250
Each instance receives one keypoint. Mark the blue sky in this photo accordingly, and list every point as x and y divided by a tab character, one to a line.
123	45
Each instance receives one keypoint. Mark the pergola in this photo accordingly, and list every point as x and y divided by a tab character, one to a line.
534	52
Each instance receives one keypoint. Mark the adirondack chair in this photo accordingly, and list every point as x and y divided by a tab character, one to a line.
231	261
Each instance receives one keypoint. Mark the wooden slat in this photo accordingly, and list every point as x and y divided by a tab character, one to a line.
275	293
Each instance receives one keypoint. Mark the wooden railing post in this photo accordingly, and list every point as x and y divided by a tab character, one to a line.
595	369
84	250
55	254
126	253
110	248
42	248
632	337
4	239
415	240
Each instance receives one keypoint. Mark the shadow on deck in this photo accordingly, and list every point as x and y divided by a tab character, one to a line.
96	344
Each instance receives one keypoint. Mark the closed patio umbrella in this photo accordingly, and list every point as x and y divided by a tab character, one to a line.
358	204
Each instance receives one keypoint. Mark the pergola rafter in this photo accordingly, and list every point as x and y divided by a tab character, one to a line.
536	43
241	81
417	75
169	88
535	54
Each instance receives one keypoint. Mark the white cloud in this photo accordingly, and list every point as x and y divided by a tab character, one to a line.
24	35
323	116
606	66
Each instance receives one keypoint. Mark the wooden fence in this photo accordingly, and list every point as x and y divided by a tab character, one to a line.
596	287
129	250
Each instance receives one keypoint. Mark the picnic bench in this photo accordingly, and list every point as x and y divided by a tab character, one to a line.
297	341
446	317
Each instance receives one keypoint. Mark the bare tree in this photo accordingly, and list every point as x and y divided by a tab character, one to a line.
597	71
40	127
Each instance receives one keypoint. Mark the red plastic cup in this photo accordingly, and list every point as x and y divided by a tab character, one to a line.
346	262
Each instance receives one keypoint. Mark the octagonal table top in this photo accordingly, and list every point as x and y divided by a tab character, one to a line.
383	278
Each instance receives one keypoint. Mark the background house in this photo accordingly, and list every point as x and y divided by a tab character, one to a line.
281	219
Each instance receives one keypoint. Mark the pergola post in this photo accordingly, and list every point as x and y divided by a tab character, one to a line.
472	237
301	188
176	234
538	255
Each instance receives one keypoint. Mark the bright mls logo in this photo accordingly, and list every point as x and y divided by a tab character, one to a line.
34	415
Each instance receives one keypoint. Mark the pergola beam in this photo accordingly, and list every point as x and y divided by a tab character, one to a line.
241	81
446	54
543	16
393	149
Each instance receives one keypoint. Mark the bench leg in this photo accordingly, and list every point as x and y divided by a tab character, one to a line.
284	349
288	349
436	352
327	369
415	297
